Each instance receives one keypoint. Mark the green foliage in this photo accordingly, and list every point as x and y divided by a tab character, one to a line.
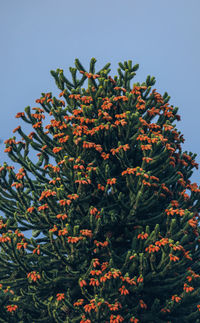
113	213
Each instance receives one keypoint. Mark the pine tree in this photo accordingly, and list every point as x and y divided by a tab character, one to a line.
113	212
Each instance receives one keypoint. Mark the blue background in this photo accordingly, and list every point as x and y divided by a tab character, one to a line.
40	35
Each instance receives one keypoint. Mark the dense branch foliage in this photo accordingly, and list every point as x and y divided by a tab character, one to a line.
113	214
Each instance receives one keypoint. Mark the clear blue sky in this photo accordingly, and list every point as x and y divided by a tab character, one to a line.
40	35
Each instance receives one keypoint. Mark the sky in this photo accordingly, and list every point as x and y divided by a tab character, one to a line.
42	35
